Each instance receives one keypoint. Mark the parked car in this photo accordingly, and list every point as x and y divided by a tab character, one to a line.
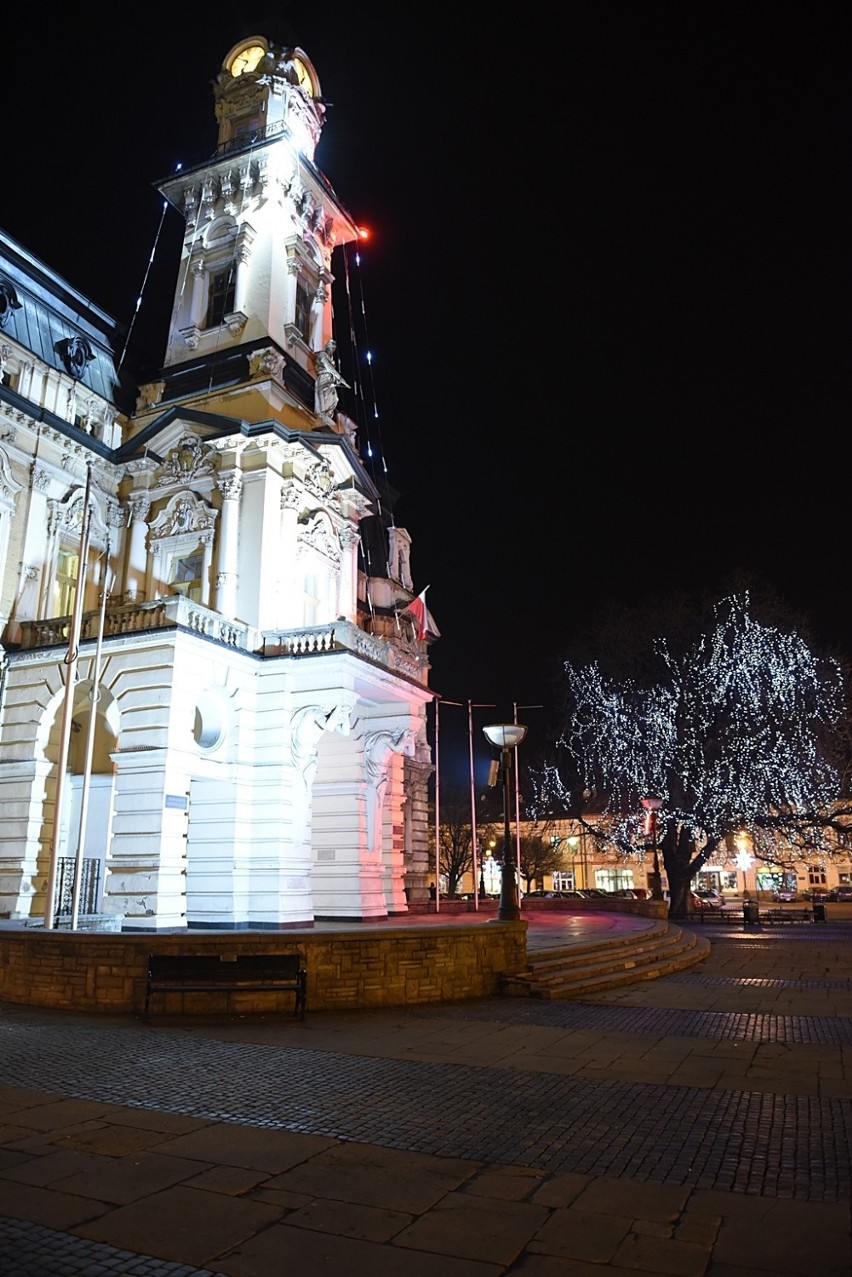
711	899
699	902
785	895
821	895
626	893
843	892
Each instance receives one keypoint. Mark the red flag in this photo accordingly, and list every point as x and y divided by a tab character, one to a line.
417	609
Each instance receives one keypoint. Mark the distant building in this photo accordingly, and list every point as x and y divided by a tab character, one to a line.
243	744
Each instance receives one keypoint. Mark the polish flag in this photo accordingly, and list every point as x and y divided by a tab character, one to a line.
417	609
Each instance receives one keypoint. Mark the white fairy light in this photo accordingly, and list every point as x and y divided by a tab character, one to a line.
730	739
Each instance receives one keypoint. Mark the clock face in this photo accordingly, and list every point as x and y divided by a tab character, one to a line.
247	59
303	76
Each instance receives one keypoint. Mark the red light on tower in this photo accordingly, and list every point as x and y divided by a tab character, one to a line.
363	233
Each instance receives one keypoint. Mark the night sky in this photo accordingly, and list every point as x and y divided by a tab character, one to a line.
607	287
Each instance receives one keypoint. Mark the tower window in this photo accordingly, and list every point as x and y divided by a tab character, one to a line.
302	317
186	576
65	585
221	299
246	129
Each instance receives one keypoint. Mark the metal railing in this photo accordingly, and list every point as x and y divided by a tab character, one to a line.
90	885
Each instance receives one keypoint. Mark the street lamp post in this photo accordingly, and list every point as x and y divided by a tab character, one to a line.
652	806
506	737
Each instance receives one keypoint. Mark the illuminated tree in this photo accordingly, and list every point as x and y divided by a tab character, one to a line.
740	732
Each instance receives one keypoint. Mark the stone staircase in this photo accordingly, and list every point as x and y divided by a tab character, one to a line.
581	970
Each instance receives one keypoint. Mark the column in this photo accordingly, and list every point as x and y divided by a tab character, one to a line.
206	564
231	487
347	584
139	504
198	296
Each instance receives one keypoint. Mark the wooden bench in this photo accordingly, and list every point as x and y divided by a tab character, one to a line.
212	972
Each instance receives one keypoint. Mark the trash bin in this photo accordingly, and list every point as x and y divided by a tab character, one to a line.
819	913
751	913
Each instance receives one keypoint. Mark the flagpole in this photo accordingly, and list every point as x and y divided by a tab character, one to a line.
518	797
437	807
94	696
68	707
474	848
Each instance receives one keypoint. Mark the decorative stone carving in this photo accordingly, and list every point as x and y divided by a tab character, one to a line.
267	362
231	486
191	336
184	513
190	206
75	353
139	505
149	395
328	379
189	460
8	303
315	534
208	197
291	495
307	726
319	478
9	487
236	322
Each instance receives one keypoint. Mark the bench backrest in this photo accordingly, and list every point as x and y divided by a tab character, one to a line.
165	967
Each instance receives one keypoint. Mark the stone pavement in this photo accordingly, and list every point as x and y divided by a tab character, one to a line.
699	1124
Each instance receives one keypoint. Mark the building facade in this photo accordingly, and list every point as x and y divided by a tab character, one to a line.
213	708
587	864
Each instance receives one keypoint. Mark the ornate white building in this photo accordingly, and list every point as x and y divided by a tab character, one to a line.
237	740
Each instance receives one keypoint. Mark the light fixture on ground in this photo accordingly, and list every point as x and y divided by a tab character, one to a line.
506	737
655	881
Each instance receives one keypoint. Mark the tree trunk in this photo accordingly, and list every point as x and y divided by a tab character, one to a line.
678	862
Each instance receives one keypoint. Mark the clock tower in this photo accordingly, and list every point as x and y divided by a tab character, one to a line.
252	306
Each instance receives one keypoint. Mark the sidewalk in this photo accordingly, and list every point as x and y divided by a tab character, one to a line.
697	1124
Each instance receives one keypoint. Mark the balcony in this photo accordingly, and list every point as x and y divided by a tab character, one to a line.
178	612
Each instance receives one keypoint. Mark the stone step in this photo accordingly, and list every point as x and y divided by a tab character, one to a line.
574	971
582	954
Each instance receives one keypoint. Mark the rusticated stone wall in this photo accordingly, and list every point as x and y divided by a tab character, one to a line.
363	967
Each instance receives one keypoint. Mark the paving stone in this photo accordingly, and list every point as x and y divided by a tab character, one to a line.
376	1177
324	1253
345	1219
579	1234
714	1129
181	1224
475	1228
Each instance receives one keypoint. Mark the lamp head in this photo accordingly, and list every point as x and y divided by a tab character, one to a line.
505	735
652	804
